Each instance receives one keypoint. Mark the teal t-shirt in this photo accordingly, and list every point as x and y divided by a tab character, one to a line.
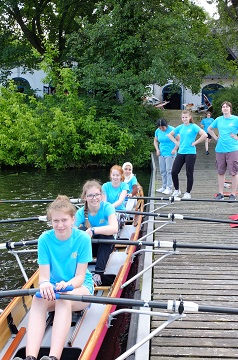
113	193
63	256
131	183
165	144
188	134
99	219
226	127
206	122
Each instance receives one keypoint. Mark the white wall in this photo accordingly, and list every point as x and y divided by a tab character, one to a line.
35	79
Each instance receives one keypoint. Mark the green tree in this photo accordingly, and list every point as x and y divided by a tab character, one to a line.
136	43
25	27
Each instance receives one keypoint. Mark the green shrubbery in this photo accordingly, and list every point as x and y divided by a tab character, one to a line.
64	131
226	94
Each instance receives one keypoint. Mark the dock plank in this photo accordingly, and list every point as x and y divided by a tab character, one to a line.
207	277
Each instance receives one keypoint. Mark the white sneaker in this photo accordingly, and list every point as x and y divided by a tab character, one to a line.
167	191
176	193
186	196
160	190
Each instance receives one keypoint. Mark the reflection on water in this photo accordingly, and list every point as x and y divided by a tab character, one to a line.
37	185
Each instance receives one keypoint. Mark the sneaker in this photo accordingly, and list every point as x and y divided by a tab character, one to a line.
207	152
97	279
232	197
48	358
160	189
176	193
167	191
186	196
219	196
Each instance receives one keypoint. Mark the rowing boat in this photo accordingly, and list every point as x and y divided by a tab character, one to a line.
89	327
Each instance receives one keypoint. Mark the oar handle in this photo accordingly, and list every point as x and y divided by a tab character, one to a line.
66	289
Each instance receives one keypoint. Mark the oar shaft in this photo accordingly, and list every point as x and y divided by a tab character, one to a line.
184	217
25	201
4	221
177	199
202	246
74	201
177	217
170	305
13	245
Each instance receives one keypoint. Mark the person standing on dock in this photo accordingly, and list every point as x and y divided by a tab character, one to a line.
98	219
226	148
63	256
166	152
204	124
188	132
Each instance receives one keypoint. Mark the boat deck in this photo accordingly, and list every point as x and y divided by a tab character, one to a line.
207	277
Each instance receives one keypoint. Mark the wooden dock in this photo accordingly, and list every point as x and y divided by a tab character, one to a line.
207	277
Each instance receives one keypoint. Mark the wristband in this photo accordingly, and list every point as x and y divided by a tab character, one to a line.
43	282
92	229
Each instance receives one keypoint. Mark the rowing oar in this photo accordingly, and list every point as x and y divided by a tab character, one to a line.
156	244
12	245
173	199
177	217
39	218
73	201
172	305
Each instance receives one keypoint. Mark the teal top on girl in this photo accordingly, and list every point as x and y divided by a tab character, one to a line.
131	183
206	122
165	144
63	256
113	193
226	127
188	134
99	219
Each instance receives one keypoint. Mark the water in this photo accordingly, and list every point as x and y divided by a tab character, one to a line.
37	185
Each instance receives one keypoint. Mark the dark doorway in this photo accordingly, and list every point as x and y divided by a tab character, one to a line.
209	90
173	94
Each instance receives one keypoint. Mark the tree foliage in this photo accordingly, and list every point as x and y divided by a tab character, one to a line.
59	131
26	26
226	94
135	43
104	54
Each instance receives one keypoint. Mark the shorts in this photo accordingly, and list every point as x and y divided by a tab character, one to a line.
90	288
209	136
228	160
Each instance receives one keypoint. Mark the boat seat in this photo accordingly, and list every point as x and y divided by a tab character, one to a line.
69	353
75	316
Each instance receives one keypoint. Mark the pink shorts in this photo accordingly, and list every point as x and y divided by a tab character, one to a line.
228	160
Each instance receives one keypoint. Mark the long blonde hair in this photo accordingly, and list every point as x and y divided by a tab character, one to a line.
89	184
61	203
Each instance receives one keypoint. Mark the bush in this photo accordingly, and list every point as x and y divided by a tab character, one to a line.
62	131
227	94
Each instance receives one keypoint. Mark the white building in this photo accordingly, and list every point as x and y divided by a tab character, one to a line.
34	81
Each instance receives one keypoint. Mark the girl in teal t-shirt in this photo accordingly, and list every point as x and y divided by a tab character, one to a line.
188	132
